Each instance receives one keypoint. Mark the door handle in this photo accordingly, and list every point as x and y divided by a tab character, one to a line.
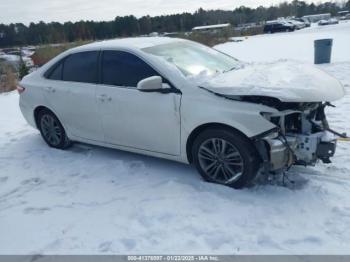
104	98
50	89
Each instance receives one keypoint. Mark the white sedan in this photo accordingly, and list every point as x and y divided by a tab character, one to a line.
179	100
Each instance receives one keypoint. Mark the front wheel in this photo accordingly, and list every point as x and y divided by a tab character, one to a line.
225	157
52	130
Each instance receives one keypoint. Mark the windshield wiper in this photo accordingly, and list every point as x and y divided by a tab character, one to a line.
231	69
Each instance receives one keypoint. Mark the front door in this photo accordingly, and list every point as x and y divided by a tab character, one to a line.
142	120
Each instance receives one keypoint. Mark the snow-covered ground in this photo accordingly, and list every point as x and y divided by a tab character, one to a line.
15	59
91	200
295	45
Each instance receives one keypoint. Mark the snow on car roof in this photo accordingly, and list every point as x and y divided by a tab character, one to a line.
132	42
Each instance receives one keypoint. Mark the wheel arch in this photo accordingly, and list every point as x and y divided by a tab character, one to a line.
38	109
193	135
65	142
36	112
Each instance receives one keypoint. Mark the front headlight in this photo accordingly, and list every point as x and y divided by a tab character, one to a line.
273	118
271	136
266	115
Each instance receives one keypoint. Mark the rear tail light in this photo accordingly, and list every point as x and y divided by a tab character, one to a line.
20	89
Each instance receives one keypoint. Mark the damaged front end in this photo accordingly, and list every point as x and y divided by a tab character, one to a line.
302	137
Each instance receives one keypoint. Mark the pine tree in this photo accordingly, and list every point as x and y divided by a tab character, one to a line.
23	69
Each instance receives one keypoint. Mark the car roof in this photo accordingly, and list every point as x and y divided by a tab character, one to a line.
130	43
273	22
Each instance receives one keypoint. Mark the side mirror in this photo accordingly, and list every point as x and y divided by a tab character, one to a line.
153	83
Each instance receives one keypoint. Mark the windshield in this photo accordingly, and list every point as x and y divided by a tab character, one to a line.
193	59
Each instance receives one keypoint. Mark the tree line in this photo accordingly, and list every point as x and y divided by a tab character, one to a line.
19	34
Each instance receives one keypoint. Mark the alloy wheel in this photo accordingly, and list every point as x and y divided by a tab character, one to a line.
51	130
220	160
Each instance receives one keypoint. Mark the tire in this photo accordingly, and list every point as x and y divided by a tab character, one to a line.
52	130
236	164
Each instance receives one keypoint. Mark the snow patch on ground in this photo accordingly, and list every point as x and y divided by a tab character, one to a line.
92	200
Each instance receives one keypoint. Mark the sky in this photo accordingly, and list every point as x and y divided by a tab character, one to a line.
26	11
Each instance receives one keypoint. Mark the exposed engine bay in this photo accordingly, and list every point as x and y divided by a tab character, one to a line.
302	136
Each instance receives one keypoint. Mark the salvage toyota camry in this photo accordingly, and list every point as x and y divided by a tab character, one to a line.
183	101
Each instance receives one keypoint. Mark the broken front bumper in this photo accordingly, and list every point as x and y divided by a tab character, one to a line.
295	149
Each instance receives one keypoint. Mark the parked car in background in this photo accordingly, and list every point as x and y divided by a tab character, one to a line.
278	26
343	13
183	101
332	21
345	17
298	25
304	22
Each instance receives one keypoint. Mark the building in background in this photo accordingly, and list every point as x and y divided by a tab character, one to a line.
211	28
317	17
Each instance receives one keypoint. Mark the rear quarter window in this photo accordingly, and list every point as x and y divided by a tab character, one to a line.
55	73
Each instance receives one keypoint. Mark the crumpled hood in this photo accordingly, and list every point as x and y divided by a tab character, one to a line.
289	81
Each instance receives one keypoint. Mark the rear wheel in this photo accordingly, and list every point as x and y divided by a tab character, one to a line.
225	157
52	130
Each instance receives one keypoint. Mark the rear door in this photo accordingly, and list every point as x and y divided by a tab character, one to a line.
142	120
70	92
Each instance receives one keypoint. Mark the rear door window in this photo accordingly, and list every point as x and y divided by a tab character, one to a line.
81	67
